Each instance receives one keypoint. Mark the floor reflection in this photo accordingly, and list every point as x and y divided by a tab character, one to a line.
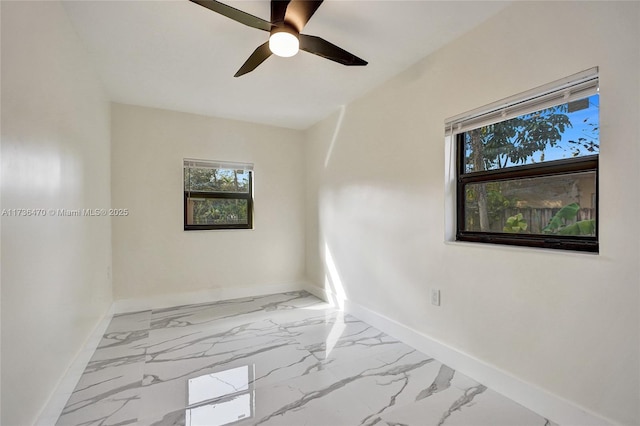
334	335
221	398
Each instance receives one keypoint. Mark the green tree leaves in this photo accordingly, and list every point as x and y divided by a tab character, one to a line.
515	141
515	224
562	222
216	180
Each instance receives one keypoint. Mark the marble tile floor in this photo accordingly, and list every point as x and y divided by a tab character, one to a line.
282	359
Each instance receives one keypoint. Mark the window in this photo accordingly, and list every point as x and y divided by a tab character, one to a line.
527	168
217	195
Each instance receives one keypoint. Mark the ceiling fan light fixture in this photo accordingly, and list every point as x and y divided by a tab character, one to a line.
288	18
284	43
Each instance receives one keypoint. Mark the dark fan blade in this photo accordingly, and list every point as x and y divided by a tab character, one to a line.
321	47
300	11
235	14
278	9
257	57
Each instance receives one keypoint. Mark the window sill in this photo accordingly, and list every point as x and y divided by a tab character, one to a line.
517	249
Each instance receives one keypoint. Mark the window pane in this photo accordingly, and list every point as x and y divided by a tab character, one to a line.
217	211
564	131
216	180
561	205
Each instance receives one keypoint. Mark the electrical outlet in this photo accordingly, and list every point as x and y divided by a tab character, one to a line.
435	297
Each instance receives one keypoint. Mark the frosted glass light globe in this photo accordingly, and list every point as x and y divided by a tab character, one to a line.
284	44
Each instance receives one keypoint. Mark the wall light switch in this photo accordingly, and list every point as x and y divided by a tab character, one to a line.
435	297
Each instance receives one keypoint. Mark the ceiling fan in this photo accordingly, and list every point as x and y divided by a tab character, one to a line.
288	18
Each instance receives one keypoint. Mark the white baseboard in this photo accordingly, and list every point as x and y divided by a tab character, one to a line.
526	394
60	395
204	296
320	293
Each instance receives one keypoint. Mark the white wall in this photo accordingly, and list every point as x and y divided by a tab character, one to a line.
565	322
153	255
55	154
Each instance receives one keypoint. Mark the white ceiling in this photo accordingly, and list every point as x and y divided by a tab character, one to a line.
180	56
